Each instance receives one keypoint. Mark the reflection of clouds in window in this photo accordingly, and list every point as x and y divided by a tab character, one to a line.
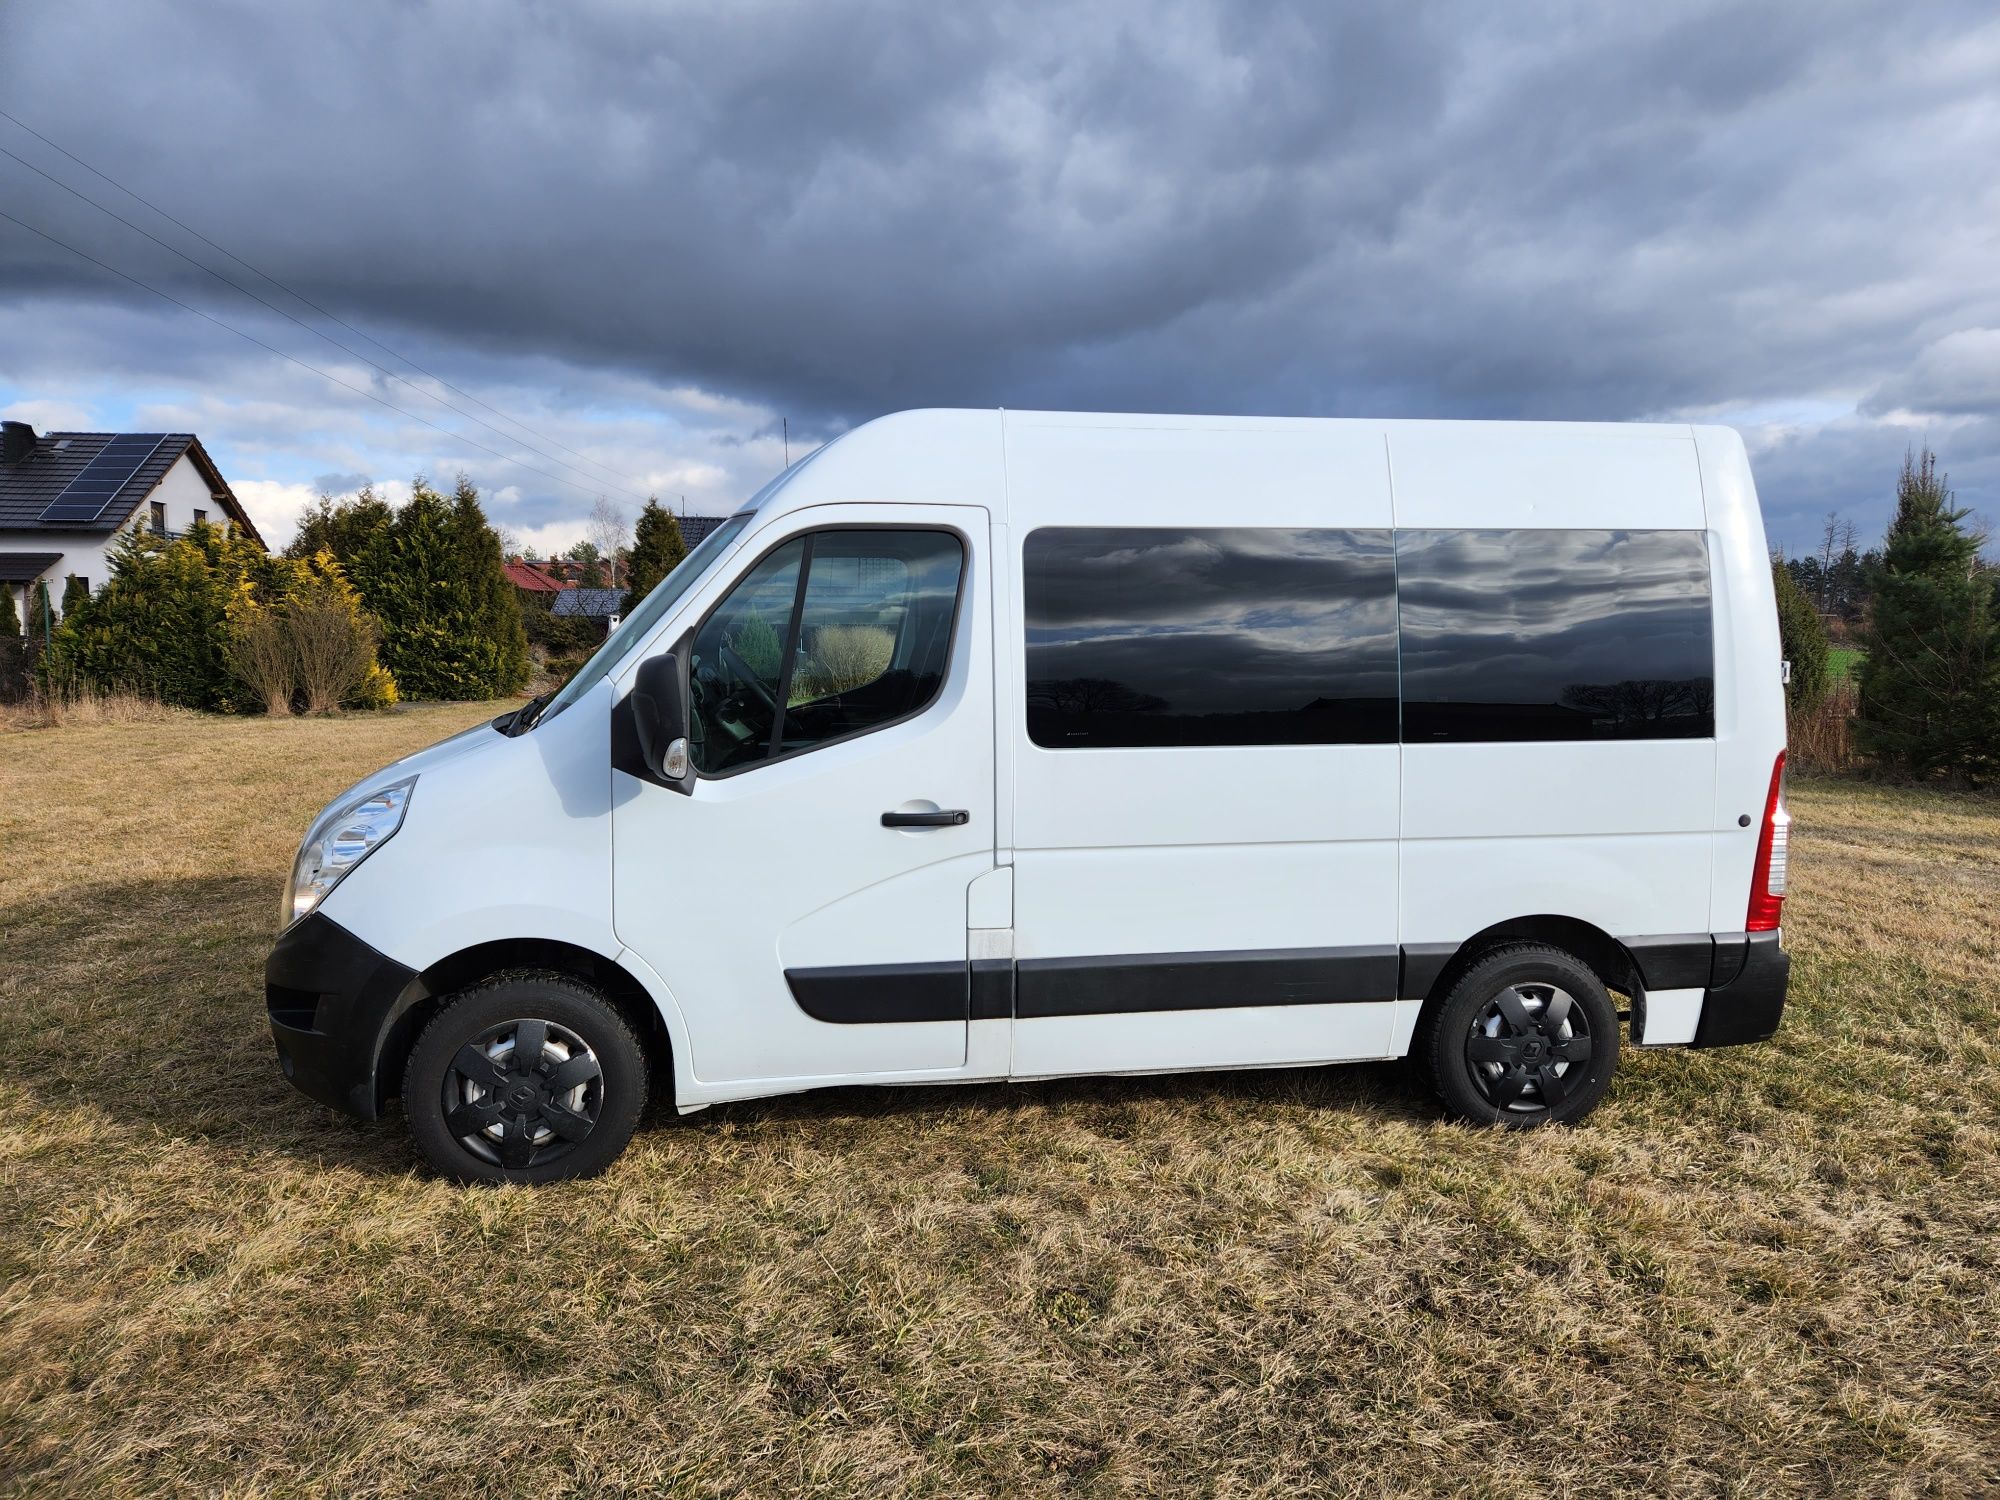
1555	635
1219	636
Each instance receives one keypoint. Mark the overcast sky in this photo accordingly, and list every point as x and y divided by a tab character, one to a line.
647	231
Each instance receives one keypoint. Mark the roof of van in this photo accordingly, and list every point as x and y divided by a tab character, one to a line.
1124	468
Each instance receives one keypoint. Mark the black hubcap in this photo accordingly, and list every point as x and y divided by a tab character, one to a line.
523	1093
1528	1047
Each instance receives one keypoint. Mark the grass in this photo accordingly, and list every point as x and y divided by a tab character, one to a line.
1769	1271
1842	662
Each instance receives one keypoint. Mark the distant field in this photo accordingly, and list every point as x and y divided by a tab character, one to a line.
1843	661
1770	1271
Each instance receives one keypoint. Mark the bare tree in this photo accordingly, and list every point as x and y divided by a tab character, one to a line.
608	530
256	651
1829	550
332	648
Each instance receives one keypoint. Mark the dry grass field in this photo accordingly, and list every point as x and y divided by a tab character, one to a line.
1770	1271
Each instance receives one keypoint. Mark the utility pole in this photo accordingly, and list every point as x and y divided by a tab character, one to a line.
786	424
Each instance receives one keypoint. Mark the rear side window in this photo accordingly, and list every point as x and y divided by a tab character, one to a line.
832	634
1555	635
1224	636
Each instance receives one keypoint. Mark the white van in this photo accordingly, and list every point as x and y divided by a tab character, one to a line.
1007	745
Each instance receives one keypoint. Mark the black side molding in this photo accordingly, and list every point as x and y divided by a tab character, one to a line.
865	994
1123	983
1745	976
1422	963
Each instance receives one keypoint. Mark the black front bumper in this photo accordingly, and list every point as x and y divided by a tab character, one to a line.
333	1002
1746	990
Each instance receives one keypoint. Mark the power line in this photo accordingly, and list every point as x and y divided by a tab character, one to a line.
302	297
315	332
293	359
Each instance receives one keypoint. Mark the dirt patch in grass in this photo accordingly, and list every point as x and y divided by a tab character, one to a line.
1774	1270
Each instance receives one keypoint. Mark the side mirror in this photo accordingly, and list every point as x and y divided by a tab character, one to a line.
660	718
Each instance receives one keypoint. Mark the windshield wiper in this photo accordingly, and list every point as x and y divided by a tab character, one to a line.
524	718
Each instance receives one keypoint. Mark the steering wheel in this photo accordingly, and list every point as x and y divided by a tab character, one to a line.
740	670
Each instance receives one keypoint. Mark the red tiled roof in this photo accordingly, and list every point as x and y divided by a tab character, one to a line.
527	576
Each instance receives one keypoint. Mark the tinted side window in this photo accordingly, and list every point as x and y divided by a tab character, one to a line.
1555	635
1226	636
828	636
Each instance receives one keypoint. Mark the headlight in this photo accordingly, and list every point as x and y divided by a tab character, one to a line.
338	843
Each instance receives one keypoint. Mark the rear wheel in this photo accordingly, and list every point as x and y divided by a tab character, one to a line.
524	1078
1527	1036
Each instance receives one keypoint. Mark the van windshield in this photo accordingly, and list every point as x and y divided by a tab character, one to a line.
665	594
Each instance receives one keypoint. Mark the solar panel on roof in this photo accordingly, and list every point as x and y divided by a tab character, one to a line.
110	469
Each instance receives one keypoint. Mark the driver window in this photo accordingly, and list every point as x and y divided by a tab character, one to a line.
739	662
833	634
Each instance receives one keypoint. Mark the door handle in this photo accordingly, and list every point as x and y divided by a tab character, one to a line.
950	818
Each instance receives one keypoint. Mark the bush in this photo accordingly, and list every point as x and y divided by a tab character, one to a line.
208	621
158	626
1803	640
257	652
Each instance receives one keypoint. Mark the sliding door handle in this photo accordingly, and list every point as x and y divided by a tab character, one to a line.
953	817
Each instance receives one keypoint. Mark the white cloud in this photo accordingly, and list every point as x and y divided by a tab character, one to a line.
274	507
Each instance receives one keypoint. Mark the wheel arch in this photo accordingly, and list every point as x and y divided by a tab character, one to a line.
426	994
1606	957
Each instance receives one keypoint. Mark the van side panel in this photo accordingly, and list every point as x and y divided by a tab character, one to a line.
1537	474
1613	832
1270	868
1749	690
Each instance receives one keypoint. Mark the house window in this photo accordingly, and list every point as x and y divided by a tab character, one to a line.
159	517
200	516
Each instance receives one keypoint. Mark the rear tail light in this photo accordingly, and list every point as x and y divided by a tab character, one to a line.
1767	876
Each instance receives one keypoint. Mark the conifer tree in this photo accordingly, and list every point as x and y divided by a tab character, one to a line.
342	527
157	627
10	618
496	608
75	591
1802	638
657	549
40	615
1930	682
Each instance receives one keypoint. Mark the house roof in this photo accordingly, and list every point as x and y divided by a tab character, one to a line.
26	567
694	528
27	487
528	576
593	603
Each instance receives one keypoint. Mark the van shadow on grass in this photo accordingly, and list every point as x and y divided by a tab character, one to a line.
143	1002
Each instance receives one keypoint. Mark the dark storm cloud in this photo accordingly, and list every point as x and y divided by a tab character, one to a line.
1562	210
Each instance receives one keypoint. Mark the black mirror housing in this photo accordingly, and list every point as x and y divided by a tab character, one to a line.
657	710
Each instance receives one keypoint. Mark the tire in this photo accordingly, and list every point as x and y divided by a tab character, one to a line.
1492	1054
567	1116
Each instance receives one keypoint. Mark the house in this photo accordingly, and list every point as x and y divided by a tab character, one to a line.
66	498
532	582
568	572
590	604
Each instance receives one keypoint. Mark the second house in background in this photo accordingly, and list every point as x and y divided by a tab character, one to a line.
67	497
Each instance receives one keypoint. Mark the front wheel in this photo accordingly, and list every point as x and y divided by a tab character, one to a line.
1527	1036
524	1078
